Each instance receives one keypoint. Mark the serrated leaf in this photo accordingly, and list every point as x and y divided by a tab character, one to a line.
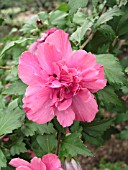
122	27
3	161
92	132
108	96
43	16
107	16
78	35
112	67
18	147
74	5
47	142
72	145
30	128
58	17
16	88
12	44
9	121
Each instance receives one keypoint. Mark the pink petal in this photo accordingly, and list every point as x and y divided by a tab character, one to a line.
37	164
33	47
37	104
64	105
60	39
29	68
52	162
16	162
23	168
84	105
65	117
81	60
47	55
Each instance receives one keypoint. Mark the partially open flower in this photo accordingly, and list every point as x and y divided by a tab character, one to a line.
48	162
72	165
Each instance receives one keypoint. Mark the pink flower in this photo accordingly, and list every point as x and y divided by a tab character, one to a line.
48	162
32	153
5	139
60	82
33	47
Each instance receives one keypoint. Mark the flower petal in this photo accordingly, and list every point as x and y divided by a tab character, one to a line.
37	104
81	60
65	117
16	162
60	39
52	162
23	168
64	105
47	55
29	69
84	105
37	164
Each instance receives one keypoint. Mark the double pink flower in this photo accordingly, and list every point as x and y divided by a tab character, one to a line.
60	81
48	162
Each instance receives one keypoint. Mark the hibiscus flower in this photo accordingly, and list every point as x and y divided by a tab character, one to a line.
48	162
60	82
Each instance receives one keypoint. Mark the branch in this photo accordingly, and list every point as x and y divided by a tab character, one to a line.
5	68
58	143
88	40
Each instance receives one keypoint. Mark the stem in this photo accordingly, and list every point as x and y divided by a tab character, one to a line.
88	40
5	67
58	143
1	137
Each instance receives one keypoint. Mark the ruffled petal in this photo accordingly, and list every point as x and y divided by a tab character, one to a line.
81	60
16	162
84	105
52	162
37	164
47	55
60	40
37	104
65	117
29	69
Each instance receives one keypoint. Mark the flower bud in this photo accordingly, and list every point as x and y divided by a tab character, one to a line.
72	165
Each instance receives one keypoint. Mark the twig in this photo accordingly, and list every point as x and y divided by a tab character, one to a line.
58	143
5	68
1	137
88	40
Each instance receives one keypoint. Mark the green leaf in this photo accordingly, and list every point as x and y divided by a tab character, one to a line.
121	117
9	120
3	161
1	21
30	25
107	16
47	142
12	44
43	16
16	88
79	18
113	69
18	147
63	7
79	34
108	96
74	5
124	133
30	128
92	132
58	17
72	145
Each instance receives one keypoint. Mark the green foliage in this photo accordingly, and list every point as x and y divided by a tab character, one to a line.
112	67
72	145
74	5
124	133
48	143
93	132
3	161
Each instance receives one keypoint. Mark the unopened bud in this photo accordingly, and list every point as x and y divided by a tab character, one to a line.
72	165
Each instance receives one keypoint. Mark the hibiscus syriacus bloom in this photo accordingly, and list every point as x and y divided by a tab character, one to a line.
60	82
48	162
